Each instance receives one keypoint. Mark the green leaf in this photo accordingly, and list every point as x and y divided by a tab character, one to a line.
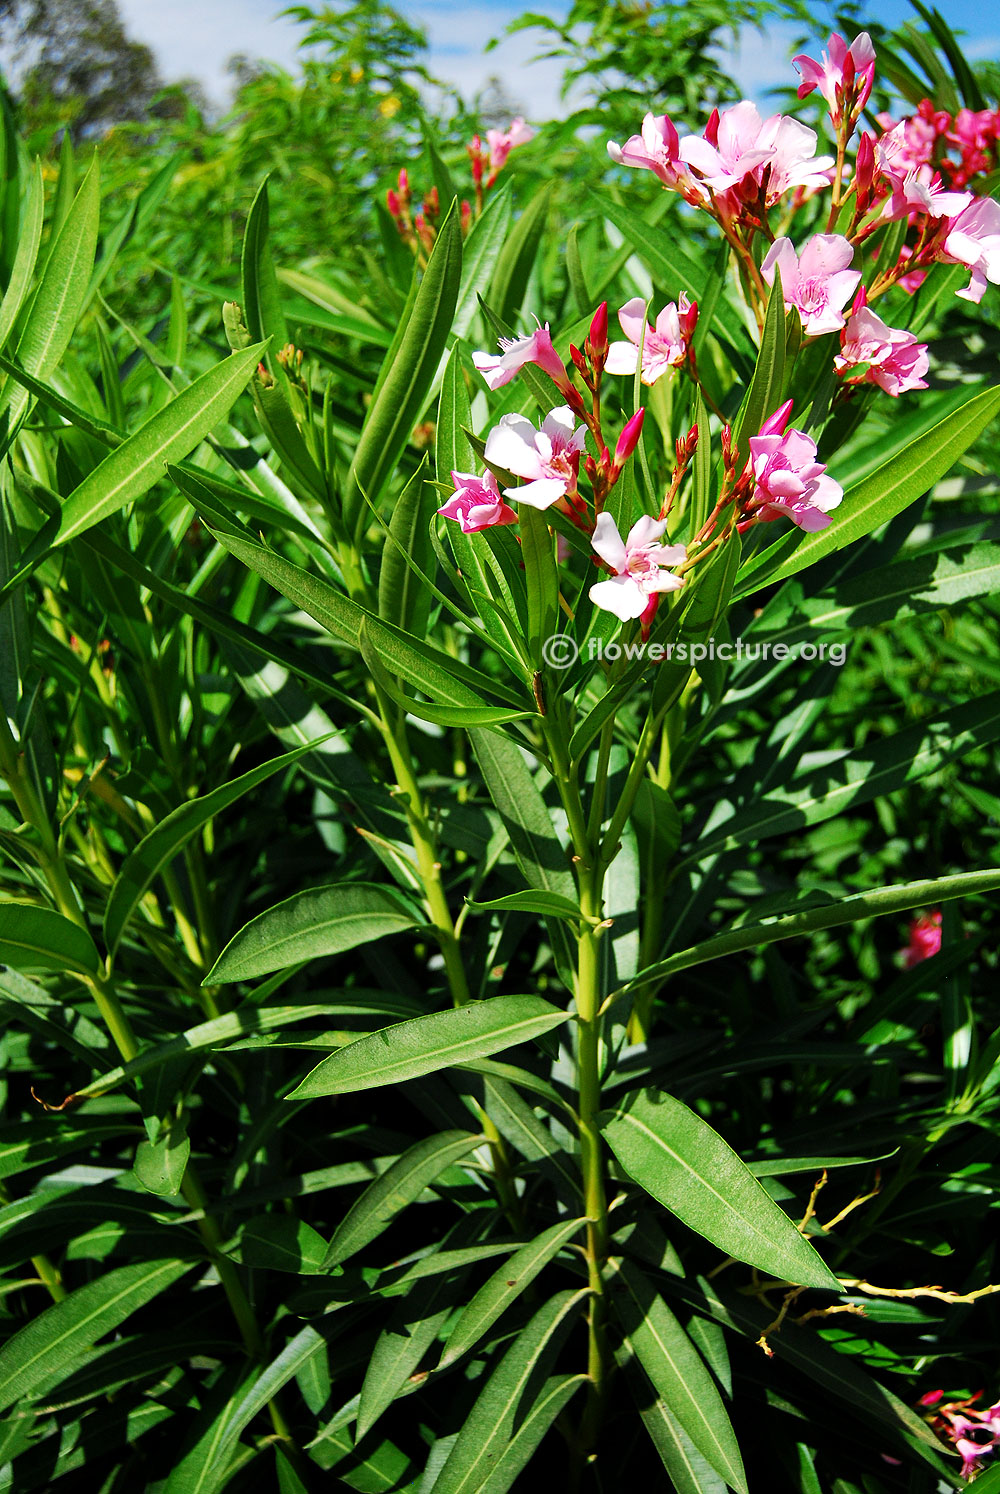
533	837
41	939
688	1168
54	1339
160	1165
688	1470
540	577
678	1372
261	298
216	1033
452	700
504	1287
399	401
52	315
310	925
140	462
426	1044
157	849
402	1344
510	279
398	1186
554	1395
28	239
814	795
480	253
548	903
883	900
280	1242
896	484
338	614
403	598
764	395
505	1402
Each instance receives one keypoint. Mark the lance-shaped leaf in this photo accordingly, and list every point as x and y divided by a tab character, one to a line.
505	1286
411	368
140	462
170	836
896	484
402	1344
28	239
55	1339
398	1186
426	1044
52	314
689	1472
41	939
309	925
764	395
686	1166
261	297
336	612
506	1401
678	1372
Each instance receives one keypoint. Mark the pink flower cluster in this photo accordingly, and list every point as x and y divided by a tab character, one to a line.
974	1434
844	77
785	480
933	137
738	159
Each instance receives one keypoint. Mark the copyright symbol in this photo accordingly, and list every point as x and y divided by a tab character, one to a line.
560	652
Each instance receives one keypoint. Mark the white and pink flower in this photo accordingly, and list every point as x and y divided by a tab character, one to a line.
787	480
849	68
477	503
664	345
639	565
816	282
896	361
548	458
515	352
655	149
973	239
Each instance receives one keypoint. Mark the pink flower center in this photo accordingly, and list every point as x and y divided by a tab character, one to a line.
640	563
810	295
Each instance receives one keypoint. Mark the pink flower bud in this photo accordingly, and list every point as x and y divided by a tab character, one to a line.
404	182
599	331
393	204
711	131
775	424
688	317
629	438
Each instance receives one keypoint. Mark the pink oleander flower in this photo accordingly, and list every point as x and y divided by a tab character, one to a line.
787	480
896	361
737	143
515	352
549	458
816	282
915	186
655	150
924	938
664	346
909	143
639	565
974	1434
500	143
849	68
477	503
973	239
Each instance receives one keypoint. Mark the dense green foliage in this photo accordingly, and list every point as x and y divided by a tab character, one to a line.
349	969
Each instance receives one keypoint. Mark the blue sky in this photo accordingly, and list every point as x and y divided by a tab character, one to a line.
194	38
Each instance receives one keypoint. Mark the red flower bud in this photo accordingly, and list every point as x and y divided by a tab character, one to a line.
599	331
579	360
393	204
629	438
775	424
712	128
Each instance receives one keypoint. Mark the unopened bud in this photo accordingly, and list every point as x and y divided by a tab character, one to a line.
687	316
775	424
465	217
629	438
598	337
712	128
864	171
579	361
